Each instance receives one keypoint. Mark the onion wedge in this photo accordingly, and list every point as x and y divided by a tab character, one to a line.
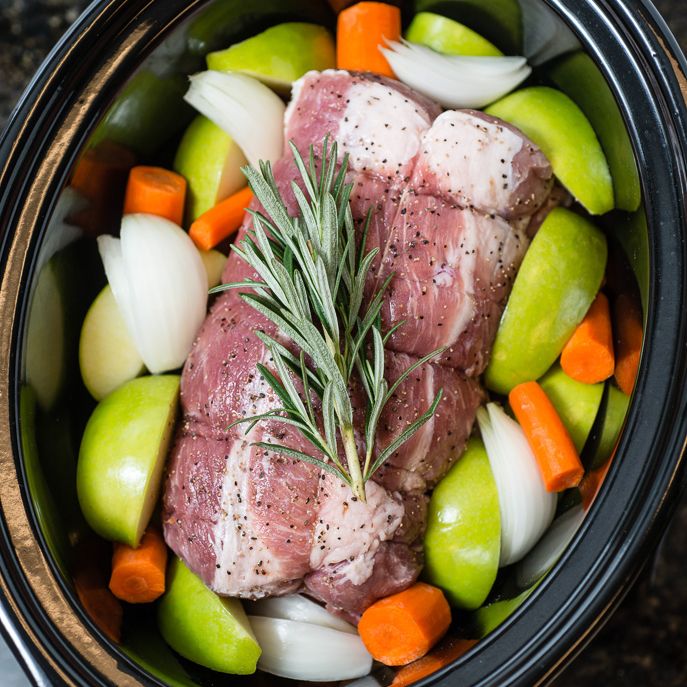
302	651
160	285
546	34
526	507
299	608
549	548
246	109
455	81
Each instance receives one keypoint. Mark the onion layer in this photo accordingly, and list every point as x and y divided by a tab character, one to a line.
246	109
546	35
526	507
454	80
299	608
160	284
550	547
303	651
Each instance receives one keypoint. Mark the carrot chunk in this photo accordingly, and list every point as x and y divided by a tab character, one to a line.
558	461
100	176
98	601
220	222
448	652
156	191
138	575
592	482
588	356
361	29
405	626
628	330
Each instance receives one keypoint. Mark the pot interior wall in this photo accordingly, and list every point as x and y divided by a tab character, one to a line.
143	125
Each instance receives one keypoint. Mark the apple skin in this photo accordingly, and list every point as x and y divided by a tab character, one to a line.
205	628
107	354
557	282
122	455
558	126
214	263
463	538
448	37
280	55
45	352
578	77
141	118
488	618
577	404
211	162
611	419
499	21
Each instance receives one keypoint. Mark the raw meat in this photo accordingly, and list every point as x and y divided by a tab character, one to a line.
452	195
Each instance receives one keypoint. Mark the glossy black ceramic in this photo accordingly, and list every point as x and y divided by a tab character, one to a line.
125	56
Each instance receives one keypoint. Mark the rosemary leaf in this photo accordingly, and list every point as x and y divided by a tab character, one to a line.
314	270
404	436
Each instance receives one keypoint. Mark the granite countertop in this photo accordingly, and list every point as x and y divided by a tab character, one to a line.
643	643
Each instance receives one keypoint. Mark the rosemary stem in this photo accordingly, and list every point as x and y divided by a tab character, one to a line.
368	460
353	461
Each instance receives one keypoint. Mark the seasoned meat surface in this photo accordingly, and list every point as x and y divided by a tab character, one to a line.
253	523
482	163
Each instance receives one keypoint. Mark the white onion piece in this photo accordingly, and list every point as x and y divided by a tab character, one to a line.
367	681
246	109
526	507
546	35
452	80
475	65
302	651
549	548
299	608
160	284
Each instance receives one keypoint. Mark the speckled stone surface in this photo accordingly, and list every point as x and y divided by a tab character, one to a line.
643	644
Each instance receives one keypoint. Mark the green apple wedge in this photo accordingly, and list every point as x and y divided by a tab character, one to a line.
280	55
107	354
557	282
559	127
448	36
147	113
211	163
214	263
578	77
205	628
463	539
122	454
577	404
607	430
45	351
488	618
499	21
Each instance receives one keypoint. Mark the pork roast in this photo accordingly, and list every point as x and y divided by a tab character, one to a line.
451	195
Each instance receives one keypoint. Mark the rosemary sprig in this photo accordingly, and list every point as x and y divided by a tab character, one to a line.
313	275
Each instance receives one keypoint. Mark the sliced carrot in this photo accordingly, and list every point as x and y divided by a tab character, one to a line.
156	191
591	483
100	177
99	602
138	575
220	222
628	334
405	626
361	29
446	653
588	356
557	458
